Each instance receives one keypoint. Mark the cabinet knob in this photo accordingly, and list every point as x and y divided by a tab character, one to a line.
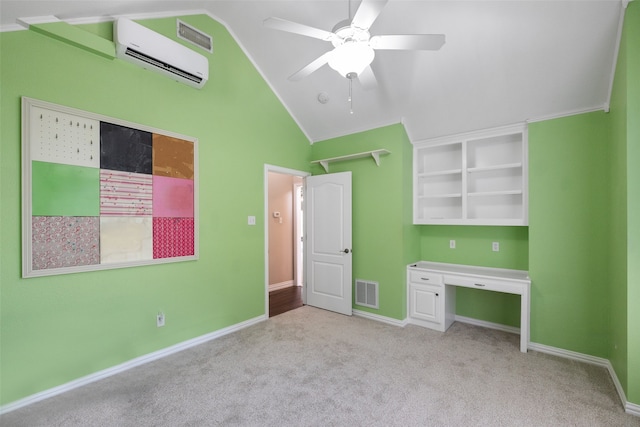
479	284
437	294
424	278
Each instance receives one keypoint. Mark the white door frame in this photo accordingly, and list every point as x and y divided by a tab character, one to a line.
298	234
277	169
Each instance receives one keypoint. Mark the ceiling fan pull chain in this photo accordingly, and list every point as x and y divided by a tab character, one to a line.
351	96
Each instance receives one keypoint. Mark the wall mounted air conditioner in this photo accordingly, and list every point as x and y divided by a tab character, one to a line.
146	48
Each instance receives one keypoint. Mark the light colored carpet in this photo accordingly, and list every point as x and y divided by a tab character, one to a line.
310	367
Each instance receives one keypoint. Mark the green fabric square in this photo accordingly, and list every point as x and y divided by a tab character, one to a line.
64	190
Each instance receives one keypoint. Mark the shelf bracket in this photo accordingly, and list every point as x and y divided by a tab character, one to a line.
325	165
376	157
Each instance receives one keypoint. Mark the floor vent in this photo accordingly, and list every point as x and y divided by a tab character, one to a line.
195	36
366	293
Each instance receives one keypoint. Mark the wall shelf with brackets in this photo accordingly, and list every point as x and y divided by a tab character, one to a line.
375	154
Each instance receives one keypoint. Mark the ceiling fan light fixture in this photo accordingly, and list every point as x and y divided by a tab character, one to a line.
351	57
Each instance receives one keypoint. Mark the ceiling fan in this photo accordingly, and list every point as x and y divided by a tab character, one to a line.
353	46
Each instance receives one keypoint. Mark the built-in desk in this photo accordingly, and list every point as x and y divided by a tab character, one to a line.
431	292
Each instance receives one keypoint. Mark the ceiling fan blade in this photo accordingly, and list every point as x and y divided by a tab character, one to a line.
367	13
408	42
368	79
294	27
311	67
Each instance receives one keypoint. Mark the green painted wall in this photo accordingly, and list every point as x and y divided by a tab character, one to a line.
383	240
568	233
59	328
77	36
631	36
473	247
624	205
618	213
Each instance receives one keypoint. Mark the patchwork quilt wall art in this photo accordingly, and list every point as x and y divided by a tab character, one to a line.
99	192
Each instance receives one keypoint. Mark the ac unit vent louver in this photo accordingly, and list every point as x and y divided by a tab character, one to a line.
366	293
192	35
163	65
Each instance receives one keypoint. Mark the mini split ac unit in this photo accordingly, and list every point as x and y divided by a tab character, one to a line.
139	45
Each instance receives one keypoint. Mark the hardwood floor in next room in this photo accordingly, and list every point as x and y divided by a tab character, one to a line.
283	300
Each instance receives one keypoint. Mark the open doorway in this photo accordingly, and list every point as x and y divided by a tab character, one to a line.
284	243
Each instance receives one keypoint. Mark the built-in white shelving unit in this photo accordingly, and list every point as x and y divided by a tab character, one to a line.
478	178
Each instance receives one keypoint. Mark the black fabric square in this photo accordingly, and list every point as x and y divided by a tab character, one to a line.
125	149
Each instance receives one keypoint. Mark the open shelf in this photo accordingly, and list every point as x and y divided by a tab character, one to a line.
495	167
495	193
441	196
439	173
375	154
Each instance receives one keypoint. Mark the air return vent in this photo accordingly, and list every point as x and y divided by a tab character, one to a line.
366	293
195	36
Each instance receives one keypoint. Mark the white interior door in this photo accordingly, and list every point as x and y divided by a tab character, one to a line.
328	204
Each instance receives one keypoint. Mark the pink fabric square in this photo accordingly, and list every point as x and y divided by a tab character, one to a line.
173	237
59	241
125	193
172	197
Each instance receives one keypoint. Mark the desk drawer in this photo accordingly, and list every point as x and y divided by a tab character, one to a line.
486	284
425	278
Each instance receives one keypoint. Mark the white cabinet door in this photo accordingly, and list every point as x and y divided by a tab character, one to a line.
425	303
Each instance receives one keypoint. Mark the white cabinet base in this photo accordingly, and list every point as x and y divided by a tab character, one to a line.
428	309
431	298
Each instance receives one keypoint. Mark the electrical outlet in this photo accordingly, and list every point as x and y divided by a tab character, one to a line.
452	244
160	319
251	220
495	246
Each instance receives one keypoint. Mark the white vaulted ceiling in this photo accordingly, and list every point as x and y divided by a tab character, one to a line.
503	62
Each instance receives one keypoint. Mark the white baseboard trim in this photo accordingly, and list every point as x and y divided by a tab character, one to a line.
568	354
281	285
96	376
632	408
377	317
629	408
485	324
616	383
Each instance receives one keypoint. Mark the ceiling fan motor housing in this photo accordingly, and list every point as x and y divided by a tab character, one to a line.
346	33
